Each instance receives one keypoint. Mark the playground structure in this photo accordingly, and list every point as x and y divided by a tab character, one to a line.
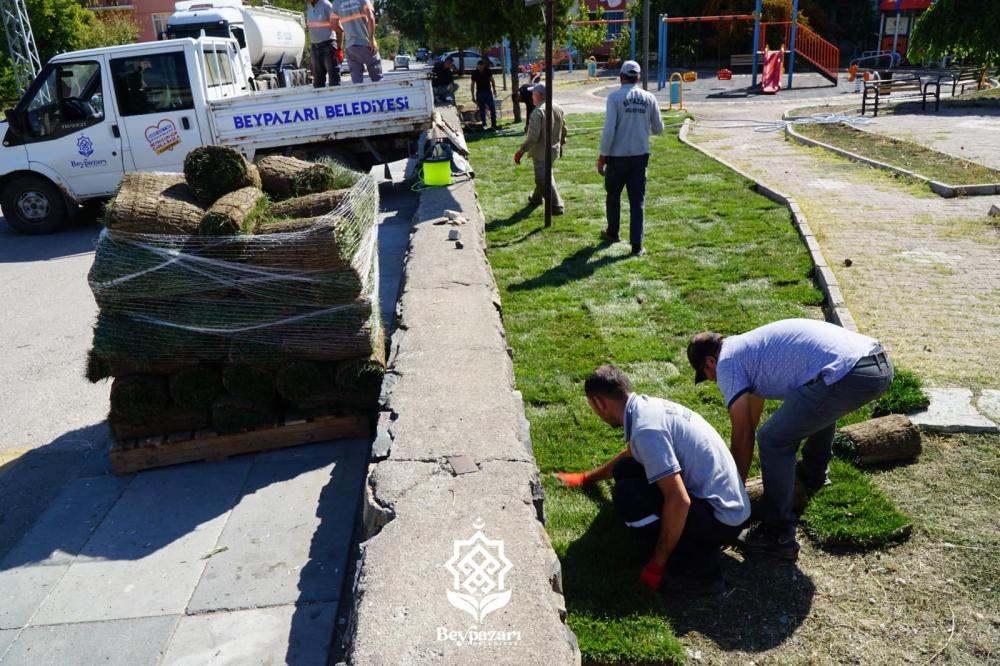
630	22
800	41
566	54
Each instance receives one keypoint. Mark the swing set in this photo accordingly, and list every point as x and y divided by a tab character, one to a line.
824	56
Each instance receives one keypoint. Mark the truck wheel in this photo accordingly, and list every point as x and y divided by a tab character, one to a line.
33	205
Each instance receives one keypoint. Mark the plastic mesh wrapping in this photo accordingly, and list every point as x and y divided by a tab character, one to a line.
263	299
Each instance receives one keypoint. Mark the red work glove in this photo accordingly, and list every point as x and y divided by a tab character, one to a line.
652	575
572	479
517	158
600	165
340	54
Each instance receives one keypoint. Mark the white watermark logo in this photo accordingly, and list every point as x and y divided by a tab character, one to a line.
479	567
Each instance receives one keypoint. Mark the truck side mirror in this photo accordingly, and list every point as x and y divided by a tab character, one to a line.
12	120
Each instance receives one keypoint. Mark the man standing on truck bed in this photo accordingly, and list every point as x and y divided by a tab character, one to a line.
323	49
357	20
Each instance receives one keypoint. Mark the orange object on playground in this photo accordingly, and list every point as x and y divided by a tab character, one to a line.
725	74
771	81
690	76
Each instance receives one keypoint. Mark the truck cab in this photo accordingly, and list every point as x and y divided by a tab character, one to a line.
271	39
90	116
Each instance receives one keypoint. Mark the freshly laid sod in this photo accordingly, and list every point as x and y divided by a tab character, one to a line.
905	154
720	257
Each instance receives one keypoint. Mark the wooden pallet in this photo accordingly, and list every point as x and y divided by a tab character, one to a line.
133	455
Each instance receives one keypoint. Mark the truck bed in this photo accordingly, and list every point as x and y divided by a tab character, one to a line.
398	104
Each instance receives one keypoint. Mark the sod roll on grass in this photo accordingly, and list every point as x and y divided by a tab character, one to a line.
213	171
153	203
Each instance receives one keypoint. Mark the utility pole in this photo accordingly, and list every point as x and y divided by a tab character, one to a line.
645	44
20	42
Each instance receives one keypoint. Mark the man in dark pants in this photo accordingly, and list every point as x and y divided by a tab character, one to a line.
632	115
443	81
324	33
822	372
484	89
676	485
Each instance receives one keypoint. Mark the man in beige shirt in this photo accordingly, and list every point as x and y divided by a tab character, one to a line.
534	146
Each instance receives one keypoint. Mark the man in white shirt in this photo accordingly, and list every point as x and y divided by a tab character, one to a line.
676	484
822	372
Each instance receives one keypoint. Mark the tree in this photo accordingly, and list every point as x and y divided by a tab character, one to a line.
586	38
967	29
110	29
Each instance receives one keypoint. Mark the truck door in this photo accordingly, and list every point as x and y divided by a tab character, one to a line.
67	127
156	107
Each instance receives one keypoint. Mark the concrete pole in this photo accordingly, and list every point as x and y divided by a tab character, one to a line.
645	44
549	76
756	42
895	35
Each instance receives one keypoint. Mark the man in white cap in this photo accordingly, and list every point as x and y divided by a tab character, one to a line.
632	115
534	145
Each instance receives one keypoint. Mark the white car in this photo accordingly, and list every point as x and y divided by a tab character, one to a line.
470	58
401	61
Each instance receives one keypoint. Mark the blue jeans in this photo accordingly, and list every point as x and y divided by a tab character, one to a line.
485	101
811	413
324	64
626	173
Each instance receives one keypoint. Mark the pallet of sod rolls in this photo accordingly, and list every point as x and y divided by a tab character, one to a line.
238	308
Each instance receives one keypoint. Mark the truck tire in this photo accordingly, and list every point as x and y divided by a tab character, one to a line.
33	205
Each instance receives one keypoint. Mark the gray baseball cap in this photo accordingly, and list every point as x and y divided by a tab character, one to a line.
538	88
631	67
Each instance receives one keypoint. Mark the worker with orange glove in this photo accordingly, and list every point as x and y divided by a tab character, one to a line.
676	484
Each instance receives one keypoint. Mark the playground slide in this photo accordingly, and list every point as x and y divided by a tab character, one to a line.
771	80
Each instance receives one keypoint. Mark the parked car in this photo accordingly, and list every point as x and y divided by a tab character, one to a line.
401	61
422	54
470	57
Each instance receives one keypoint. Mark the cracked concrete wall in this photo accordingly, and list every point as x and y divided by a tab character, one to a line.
450	392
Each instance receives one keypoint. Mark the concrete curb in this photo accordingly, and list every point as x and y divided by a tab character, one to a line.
941	189
836	309
453	464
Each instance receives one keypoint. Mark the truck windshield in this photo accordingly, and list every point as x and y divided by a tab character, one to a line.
66	97
193	30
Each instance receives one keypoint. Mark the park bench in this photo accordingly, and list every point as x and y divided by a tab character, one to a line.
741	60
960	79
909	87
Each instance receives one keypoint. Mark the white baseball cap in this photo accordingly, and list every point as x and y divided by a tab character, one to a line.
630	67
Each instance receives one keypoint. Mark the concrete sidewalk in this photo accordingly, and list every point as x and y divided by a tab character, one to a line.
240	562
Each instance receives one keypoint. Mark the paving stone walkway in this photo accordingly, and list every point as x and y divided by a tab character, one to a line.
924	273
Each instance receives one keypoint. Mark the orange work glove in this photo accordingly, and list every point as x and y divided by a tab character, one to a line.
652	576
572	479
340	55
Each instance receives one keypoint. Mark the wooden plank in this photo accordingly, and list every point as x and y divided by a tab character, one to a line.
219	447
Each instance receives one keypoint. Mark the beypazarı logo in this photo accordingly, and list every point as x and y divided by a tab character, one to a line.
84	145
478	567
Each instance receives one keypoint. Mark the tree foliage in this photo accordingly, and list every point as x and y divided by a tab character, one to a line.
967	29
586	38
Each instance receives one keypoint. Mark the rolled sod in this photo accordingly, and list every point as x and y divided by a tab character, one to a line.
213	171
139	397
234	213
233	414
173	419
249	381
282	177
153	203
305	382
195	387
97	368
360	375
310	205
876	441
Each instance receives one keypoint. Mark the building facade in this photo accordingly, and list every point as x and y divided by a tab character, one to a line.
150	15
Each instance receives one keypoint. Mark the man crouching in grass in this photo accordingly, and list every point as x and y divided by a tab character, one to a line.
676	484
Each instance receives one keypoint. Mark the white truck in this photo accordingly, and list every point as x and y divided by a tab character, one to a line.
271	39
90	116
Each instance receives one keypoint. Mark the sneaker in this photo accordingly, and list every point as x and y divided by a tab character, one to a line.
811	482
608	238
760	540
638	252
680	584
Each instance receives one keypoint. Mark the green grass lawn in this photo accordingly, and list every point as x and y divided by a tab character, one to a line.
720	257
905	154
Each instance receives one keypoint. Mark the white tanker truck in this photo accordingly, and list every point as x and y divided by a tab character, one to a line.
271	39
